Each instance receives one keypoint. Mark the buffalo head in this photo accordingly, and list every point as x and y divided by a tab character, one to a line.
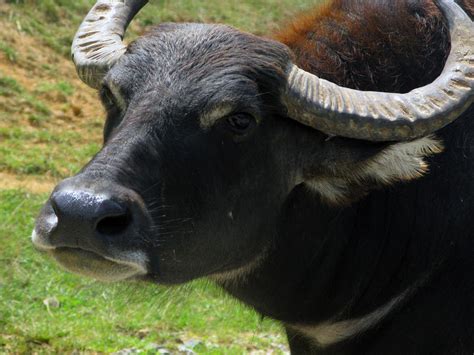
208	131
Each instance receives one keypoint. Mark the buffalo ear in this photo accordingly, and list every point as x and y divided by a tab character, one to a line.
354	169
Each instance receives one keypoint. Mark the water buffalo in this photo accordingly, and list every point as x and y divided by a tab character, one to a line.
324	177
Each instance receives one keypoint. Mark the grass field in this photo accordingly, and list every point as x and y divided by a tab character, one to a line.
50	125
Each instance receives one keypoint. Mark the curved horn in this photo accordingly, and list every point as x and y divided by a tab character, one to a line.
378	116
98	44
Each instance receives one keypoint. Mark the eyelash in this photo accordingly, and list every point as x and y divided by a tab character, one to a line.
241	123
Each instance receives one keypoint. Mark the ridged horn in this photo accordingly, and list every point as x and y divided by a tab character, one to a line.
378	116
98	43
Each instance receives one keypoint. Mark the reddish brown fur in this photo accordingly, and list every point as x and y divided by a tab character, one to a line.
468	5
384	45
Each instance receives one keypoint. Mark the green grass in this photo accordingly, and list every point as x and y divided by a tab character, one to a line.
44	152
62	87
9	51
97	317
55	21
9	86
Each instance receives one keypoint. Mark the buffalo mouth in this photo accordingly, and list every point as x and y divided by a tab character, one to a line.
103	268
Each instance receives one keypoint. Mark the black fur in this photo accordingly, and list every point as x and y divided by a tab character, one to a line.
218	200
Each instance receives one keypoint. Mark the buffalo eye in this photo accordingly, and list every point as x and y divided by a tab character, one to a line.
241	123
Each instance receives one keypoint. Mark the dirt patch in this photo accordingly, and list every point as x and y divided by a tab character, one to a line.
37	67
33	184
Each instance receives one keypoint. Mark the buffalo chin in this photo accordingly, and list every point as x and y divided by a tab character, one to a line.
93	265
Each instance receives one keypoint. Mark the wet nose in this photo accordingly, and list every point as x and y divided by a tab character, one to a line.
99	216
87	212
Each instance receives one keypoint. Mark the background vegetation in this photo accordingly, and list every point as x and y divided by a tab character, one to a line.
50	125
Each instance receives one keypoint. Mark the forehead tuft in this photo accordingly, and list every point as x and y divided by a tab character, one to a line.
195	52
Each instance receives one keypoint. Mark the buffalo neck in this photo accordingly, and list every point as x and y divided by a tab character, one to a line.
343	263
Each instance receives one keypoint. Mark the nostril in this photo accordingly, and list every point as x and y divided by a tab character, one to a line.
91	214
114	225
